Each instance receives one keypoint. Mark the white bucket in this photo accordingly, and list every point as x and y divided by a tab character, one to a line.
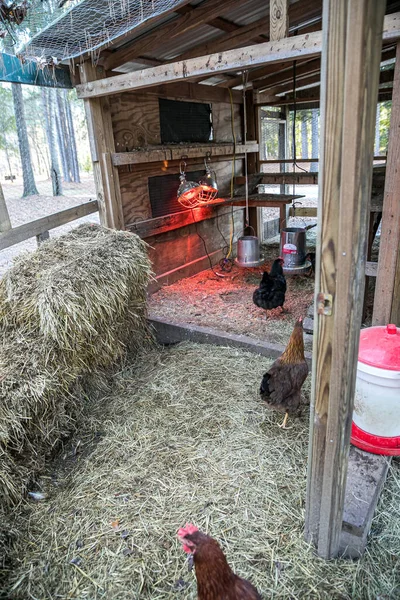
377	401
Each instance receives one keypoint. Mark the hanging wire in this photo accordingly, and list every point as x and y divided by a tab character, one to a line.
244	83
295	164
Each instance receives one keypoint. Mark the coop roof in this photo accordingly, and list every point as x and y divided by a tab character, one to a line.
129	35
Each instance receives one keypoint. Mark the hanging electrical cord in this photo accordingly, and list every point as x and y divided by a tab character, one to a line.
244	85
205	247
295	164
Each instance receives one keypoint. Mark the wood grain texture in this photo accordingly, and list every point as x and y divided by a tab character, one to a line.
101	141
135	192
332	100
384	299
5	222
173	249
152	227
135	120
222	122
176	151
35	228
357	28
279	19
287	49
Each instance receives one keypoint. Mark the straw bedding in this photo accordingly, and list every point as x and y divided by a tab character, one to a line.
183	436
68	312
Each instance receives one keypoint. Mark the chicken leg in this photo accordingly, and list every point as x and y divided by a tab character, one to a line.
283	424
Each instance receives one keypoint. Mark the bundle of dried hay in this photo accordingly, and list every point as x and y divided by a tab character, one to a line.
68	312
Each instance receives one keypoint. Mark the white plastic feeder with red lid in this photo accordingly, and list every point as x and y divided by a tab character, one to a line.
376	416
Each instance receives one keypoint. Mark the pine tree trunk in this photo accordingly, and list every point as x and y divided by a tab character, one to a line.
377	131
314	138
48	110
65	136
74	152
27	171
61	147
304	137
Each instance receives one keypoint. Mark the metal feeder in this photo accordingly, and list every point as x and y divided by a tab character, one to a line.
248	252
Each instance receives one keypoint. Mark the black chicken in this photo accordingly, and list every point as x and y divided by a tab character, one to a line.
311	257
271	292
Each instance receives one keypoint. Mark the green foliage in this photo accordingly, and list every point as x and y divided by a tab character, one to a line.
87	164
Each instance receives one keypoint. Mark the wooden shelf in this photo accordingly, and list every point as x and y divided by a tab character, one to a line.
175	152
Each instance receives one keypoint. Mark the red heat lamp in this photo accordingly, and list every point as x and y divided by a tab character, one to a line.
191	194
208	183
188	191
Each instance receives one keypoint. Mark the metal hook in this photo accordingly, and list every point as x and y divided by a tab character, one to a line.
183	162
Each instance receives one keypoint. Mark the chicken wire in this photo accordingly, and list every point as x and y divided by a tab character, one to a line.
65	29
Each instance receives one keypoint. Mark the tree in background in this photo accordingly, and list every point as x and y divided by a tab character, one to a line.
66	137
23	142
304	134
71	132
314	137
47	96
8	130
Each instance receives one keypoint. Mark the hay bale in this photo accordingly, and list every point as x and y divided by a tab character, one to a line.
68	312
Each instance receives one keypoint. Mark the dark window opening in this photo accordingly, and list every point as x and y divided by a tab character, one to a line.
184	122
163	193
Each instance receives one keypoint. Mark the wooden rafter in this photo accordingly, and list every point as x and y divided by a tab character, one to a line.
154	39
303	69
288	49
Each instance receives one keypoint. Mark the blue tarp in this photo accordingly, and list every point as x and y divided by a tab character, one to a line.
13	70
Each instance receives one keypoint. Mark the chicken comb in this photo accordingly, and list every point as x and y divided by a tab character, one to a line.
184	531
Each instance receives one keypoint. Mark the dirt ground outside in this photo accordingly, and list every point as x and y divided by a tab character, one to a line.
23	210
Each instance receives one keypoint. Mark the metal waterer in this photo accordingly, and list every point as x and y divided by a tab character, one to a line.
293	250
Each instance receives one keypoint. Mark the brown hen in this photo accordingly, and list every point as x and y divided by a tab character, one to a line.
215	578
281	385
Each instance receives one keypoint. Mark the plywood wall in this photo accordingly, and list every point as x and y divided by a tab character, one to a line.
135	119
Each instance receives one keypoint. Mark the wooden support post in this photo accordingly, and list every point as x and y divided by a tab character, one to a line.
102	144
279	21
385	302
5	223
255	214
350	76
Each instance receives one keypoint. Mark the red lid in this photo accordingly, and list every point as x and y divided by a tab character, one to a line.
380	347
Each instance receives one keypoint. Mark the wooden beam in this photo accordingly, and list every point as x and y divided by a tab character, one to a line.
283	178
196	91
279	20
5	223
231	60
287	87
151	227
288	49
35	228
350	66
304	69
155	38
390	233
101	140
240	37
175	152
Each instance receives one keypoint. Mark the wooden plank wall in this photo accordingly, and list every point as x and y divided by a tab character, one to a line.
135	120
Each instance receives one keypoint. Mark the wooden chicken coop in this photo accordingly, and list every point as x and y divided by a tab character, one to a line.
188	86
